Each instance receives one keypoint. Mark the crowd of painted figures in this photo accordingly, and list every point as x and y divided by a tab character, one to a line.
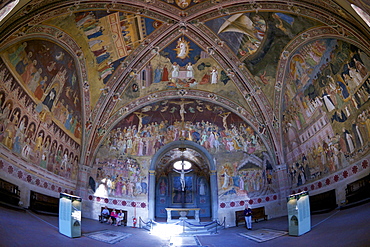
120	178
24	137
152	136
46	83
343	99
332	153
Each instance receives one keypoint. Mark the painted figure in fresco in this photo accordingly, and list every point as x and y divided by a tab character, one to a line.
182	107
360	67
189	70
214	75
343	88
17	147
181	49
224	116
165	74
175	70
202	187
140	116
2	100
15	57
358	136
327	101
227	177
22	126
6	111
15	116
157	75
39	140
348	140
29	71
49	99
162	187
39	91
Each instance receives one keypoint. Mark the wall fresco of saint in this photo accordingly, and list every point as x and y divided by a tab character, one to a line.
244	164
326	120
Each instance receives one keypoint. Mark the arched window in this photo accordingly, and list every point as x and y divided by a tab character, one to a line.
365	16
7	8
178	165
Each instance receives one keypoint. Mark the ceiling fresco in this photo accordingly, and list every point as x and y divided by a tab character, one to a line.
258	40
182	4
182	65
107	39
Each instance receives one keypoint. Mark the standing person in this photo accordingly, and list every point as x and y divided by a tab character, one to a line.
248	217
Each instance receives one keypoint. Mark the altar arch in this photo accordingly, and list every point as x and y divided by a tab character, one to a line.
207	157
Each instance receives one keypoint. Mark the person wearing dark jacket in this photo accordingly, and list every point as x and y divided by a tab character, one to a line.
248	217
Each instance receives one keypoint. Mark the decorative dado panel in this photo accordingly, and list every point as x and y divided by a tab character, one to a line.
35	177
112	202
255	202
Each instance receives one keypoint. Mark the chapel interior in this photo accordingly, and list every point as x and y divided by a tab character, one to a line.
154	104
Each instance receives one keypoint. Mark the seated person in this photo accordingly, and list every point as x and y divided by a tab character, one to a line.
105	214
119	218
113	216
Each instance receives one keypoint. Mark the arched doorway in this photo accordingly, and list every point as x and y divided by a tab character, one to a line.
200	181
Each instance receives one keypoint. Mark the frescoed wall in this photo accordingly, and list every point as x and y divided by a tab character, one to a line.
244	167
40	106
326	109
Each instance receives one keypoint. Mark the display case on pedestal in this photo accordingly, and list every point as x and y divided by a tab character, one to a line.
70	215
299	216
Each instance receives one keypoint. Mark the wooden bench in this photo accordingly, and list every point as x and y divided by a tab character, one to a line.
9	193
123	222
43	203
257	213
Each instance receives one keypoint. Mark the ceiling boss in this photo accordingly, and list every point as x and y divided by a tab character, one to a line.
182	48
183	3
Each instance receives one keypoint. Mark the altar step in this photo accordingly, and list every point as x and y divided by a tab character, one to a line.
184	228
208	228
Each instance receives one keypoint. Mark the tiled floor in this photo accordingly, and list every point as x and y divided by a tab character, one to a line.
350	227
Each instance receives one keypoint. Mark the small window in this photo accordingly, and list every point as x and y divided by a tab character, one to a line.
365	16
7	8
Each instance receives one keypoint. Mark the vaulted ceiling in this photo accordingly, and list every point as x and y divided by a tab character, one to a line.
248	42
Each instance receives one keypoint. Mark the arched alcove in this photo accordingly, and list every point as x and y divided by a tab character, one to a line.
209	162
